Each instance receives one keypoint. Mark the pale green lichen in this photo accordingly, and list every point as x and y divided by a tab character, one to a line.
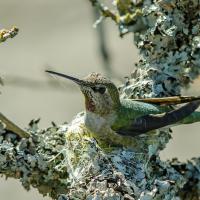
70	165
5	33
168	39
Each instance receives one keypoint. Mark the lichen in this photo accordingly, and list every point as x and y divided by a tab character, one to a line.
77	167
168	40
5	33
64	162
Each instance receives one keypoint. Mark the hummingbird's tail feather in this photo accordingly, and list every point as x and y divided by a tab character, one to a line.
169	100
155	121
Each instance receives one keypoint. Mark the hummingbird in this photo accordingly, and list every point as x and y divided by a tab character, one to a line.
130	117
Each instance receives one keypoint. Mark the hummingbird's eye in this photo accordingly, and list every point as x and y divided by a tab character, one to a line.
101	90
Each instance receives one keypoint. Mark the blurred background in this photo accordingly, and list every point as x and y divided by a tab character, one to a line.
59	35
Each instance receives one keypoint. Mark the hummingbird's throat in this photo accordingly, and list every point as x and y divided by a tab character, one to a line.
95	107
98	103
89	104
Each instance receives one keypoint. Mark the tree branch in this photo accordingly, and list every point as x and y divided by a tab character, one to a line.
5	33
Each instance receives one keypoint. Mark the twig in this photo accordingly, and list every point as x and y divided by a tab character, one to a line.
9	125
5	33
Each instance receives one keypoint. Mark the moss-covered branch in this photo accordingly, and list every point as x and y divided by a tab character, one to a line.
76	167
8	33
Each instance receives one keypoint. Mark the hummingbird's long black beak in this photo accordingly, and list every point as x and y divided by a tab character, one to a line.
76	80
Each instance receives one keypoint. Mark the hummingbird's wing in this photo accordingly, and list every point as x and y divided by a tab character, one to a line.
150	122
165	101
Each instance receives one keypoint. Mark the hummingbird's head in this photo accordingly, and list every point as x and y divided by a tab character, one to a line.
101	95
